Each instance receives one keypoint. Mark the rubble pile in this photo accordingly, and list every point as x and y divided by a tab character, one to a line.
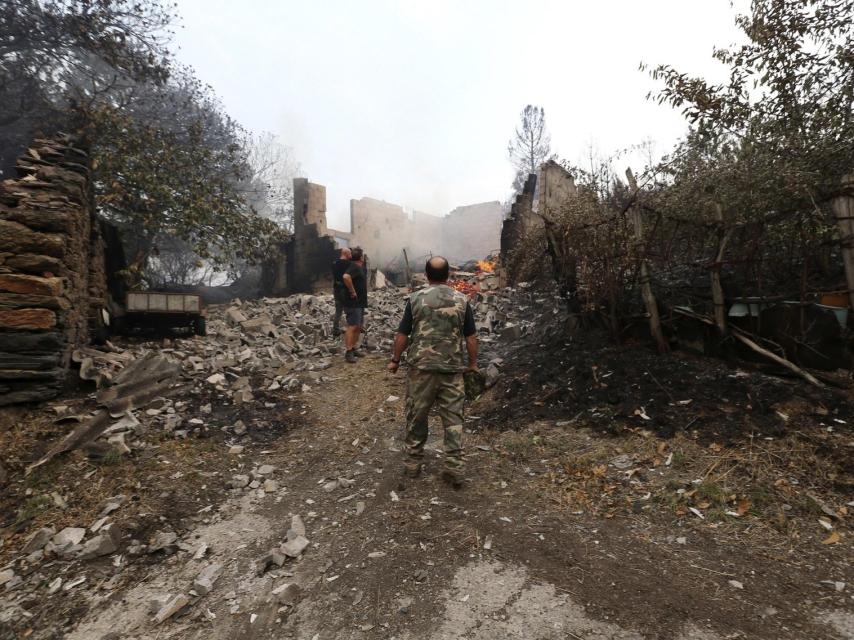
255	354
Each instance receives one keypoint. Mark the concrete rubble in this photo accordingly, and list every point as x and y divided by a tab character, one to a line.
256	352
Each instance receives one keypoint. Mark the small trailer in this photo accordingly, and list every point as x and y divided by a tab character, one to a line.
160	310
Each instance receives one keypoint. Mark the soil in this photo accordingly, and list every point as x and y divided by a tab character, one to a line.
571	531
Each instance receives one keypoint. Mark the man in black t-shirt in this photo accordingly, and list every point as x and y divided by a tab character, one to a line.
339	291
356	282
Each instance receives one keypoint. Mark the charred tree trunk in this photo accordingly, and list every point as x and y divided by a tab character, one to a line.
843	207
649	301
717	289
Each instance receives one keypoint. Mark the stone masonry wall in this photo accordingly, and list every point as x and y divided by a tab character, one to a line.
49	283
472	231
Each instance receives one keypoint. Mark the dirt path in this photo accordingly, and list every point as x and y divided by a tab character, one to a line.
419	560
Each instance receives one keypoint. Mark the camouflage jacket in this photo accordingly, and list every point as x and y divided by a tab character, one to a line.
436	342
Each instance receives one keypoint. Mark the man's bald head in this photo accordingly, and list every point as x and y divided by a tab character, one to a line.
437	269
345	253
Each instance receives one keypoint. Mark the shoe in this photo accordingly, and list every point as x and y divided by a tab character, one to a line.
412	469
453	478
350	357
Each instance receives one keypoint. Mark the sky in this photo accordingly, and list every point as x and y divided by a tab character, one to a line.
414	101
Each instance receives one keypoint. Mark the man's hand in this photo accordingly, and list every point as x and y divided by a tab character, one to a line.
352	293
393	366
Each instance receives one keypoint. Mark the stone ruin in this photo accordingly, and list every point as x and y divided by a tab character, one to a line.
53	284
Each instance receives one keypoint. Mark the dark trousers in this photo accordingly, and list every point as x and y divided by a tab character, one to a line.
338	295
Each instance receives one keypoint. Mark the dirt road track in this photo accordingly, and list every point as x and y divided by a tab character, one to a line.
410	561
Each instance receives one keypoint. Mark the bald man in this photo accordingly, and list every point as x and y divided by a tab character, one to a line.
436	322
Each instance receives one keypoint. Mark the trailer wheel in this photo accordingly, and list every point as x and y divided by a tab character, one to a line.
200	326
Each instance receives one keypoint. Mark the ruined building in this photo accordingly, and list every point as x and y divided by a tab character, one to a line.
302	264
384	230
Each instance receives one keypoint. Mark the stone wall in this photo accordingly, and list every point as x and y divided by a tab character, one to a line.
303	263
384	230
545	193
52	280
472	231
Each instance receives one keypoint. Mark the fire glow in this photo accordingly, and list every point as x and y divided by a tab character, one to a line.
486	266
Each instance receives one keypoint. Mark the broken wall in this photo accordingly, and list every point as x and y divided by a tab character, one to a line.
384	230
472	231
52	276
303	263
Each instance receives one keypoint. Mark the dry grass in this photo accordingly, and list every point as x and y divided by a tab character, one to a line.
770	490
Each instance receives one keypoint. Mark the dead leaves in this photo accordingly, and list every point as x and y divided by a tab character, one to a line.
833	538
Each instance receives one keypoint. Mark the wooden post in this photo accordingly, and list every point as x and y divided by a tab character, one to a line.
843	207
646	289
408	269
717	289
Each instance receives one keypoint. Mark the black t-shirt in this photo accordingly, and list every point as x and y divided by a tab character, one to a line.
469	327
360	284
339	268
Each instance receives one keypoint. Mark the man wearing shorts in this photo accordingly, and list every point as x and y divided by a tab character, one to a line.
356	281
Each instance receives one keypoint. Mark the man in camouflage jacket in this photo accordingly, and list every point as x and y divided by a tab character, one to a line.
436	322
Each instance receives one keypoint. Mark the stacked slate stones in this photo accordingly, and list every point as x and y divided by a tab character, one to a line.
49	281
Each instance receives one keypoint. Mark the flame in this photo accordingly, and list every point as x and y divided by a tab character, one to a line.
486	266
465	287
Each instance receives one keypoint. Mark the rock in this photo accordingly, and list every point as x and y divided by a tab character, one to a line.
511	332
621	462
243	396
6	576
261	326
332	485
735	584
68	537
216	378
54	586
287	593
360	507
492	375
293	548
235	449
298	525
239	428
171	608
235	315
266	469
239	481
38	540
271	486
274	558
164	541
204	583
103	544
344	483
100	522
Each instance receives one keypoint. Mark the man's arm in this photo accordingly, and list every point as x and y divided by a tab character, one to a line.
348	282
471	347
401	340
